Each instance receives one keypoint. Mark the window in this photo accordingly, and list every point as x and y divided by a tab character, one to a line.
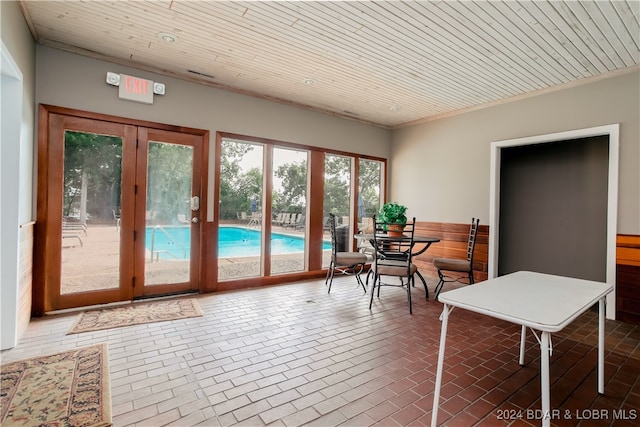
272	219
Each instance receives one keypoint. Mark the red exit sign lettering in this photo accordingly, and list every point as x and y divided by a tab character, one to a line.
135	89
136	85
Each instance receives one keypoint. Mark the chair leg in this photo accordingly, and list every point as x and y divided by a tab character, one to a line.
424	283
326	279
369	273
332	269
439	285
471	281
410	282
373	290
359	279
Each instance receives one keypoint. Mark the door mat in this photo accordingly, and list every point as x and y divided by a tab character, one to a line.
135	314
64	389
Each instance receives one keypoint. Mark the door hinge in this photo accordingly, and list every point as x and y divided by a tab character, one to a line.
135	189
135	235
133	282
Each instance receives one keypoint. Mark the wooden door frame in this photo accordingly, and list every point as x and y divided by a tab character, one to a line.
145	134
42	300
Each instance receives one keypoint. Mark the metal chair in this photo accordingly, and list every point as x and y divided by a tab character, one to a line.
393	258
455	270
342	261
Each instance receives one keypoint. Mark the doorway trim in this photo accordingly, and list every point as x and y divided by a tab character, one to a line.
12	84
612	131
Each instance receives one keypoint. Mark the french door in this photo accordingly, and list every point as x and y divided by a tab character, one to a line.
118	212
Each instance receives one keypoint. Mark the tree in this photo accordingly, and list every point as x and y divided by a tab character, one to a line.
369	184
169	180
294	187
337	176
237	187
93	164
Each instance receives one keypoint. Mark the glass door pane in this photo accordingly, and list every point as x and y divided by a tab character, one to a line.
370	186
337	200
289	210
92	182
168	213
240	219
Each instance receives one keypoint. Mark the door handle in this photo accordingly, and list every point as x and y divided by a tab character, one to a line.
195	220
195	203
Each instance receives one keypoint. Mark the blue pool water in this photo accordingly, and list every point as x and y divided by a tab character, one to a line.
174	242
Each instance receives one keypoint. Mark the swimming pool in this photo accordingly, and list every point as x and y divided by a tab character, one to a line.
174	242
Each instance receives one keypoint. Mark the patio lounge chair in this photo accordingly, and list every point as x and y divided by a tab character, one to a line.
299	225
73	230
293	220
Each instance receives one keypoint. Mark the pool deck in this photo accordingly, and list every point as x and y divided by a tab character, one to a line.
94	265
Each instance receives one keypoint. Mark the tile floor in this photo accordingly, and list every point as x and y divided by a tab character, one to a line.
293	355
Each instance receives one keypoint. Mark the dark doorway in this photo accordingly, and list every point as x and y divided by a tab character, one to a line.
553	208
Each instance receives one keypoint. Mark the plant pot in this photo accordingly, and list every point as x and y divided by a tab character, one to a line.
395	230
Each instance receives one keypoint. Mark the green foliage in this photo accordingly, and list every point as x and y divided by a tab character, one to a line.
92	162
393	213
293	196
337	184
169	174
369	185
237	188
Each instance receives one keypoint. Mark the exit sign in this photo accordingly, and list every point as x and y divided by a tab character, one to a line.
135	89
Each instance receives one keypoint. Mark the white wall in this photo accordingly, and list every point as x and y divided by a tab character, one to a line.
74	81
16	173
450	157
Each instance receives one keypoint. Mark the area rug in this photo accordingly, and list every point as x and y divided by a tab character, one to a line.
135	314
64	389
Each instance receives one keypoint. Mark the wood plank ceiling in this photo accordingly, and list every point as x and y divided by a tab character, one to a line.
388	63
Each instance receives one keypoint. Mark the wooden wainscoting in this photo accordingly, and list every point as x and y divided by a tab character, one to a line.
628	278
453	244
25	281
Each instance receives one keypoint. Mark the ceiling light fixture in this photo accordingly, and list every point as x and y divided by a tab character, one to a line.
167	37
394	108
309	81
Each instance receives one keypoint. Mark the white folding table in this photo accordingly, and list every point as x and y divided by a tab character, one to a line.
542	302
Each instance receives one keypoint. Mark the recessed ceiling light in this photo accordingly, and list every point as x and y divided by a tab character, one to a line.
394	108
167	37
309	81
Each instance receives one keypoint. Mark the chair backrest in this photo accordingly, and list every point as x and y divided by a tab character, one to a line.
334	236
471	243
390	249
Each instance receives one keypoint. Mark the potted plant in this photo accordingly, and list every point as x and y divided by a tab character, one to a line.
394	215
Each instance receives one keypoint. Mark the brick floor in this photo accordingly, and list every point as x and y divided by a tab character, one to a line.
294	355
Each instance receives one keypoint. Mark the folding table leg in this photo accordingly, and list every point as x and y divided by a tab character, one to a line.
545	340
523	339
601	315
443	340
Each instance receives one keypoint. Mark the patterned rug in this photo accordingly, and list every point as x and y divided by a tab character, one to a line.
65	389
135	314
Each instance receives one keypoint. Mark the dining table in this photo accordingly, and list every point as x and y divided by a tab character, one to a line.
544	303
421	243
